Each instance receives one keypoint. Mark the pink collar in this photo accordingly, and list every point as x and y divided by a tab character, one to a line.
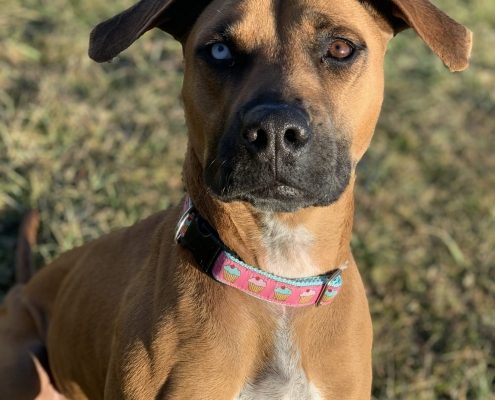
194	233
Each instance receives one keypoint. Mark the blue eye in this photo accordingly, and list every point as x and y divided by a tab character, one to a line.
220	51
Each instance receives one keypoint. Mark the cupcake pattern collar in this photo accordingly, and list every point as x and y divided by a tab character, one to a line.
213	257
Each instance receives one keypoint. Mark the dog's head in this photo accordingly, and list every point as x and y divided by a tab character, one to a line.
282	96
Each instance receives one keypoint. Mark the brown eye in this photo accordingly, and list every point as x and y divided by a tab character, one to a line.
340	49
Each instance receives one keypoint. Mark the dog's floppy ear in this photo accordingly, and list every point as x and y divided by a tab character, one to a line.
448	39
116	34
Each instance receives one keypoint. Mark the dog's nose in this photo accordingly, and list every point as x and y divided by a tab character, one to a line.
275	128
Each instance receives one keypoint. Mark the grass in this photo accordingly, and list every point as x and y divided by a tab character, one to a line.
95	147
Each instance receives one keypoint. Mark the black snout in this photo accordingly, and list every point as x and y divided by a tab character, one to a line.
275	129
276	157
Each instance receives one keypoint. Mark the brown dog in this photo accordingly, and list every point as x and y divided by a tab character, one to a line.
281	100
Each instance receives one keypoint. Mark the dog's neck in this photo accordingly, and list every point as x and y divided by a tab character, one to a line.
308	242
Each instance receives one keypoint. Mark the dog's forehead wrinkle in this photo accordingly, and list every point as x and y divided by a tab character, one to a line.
318	19
253	24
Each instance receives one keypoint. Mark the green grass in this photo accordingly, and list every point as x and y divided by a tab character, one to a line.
95	147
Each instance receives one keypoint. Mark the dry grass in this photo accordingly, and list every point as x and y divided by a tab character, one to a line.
96	147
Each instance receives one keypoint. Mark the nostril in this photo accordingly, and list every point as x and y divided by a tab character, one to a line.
296	137
291	136
258	138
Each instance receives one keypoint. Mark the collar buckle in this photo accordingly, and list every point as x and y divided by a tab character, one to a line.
184	222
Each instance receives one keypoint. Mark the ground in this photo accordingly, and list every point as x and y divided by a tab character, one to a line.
95	147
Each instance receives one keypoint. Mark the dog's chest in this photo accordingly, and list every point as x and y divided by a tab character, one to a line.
282	378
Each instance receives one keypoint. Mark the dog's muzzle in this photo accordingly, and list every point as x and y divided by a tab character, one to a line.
272	157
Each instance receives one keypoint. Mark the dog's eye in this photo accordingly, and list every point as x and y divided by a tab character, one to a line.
220	51
340	50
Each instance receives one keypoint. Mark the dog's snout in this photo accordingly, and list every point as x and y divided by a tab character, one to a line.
275	128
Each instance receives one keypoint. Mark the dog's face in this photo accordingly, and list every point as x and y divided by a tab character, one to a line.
282	97
282	101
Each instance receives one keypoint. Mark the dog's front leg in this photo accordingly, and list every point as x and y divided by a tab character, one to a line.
198	375
196	353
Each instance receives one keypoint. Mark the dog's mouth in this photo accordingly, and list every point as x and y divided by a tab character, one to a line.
278	190
309	182
278	197
275	198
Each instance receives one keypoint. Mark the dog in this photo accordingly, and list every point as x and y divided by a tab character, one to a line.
248	288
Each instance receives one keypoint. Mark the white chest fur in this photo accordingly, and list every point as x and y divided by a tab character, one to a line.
287	249
287	254
283	377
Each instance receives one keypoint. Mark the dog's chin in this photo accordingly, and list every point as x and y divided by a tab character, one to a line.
278	198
